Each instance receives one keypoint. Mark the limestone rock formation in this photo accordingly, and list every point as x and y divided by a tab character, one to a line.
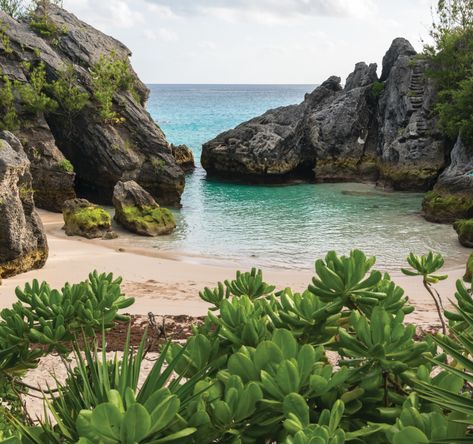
53	175
464	229
184	157
411	150
23	244
375	130
102	151
452	196
138	212
85	219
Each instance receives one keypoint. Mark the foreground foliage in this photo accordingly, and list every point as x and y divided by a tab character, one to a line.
337	363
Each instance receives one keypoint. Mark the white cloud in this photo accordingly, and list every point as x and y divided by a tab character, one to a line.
106	15
160	35
269	11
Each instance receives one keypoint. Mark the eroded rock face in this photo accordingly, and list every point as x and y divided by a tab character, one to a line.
23	244
53	175
411	150
101	153
452	196
184	157
138	212
380	131
85	219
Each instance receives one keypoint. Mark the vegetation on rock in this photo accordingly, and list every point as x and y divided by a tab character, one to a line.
82	218
469	269
109	75
149	220
464	229
257	370
445	207
451	59
9	120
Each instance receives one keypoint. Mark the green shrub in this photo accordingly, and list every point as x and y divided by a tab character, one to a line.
9	121
377	89
66	166
70	97
32	94
5	39
110	75
335	364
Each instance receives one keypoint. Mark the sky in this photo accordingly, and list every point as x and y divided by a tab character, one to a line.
255	41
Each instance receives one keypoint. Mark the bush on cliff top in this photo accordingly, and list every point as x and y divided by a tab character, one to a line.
257	369
451	60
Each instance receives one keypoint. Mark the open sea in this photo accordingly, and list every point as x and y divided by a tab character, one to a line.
279	226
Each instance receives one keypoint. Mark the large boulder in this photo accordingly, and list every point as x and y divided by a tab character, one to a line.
138	212
452	197
85	219
102	151
23	244
464	229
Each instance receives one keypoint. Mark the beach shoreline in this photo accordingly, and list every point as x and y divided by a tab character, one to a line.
168	283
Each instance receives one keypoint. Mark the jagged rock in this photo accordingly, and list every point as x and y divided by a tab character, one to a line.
83	218
363	75
464	229
411	149
452	196
53	175
23	244
400	47
138	212
101	153
370	130
184	157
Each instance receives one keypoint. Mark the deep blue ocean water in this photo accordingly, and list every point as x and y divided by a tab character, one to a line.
279	226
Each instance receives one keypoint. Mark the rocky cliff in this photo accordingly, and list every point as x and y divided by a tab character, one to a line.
23	244
87	149
371	129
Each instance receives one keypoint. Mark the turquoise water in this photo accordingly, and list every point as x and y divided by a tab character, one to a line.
279	226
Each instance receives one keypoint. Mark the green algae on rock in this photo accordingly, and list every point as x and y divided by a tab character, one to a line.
138	212
82	218
469	269
464	228
446	208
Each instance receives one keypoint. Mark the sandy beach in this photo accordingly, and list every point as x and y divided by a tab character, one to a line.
168	284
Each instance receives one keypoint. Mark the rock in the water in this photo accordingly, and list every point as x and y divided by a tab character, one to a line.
23	244
184	157
464	229
469	269
53	175
83	218
138	212
101	151
452	196
370	130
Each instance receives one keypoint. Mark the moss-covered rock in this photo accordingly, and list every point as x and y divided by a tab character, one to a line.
446	208
138	212
82	218
469	269
464	229
148	221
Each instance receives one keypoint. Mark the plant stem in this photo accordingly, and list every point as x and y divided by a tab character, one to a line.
438	304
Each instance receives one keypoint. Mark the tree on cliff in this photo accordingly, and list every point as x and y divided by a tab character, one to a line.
451	56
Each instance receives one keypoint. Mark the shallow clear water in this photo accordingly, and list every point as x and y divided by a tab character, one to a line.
280	226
